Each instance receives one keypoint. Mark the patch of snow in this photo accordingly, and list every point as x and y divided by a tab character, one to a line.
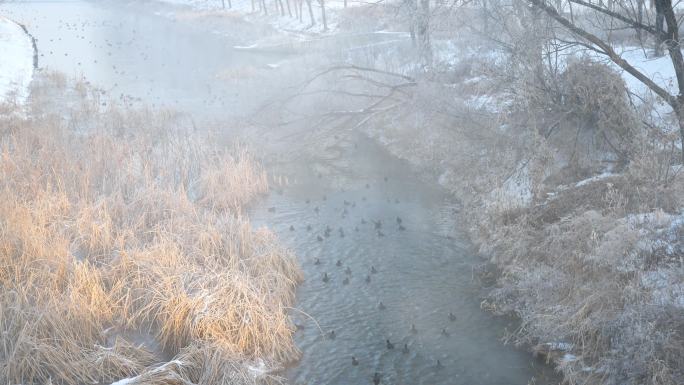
16	66
594	179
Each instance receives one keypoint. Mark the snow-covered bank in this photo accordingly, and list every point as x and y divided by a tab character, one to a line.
16	66
283	19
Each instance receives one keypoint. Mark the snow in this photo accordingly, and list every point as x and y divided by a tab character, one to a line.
124	381
16	66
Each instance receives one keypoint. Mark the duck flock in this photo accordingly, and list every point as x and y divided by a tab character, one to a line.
379	228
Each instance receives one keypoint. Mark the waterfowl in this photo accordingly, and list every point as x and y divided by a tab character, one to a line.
380	234
346	203
413	329
367	185
271	209
355	362
402	228
378	224
389	345
376	378
381	306
308	201
356	228
347	270
316	209
398	220
317	261
373	270
331	335
341	232
405	350
445	333
325	277
439	365
339	263
319	238
363	221
292	228
368	279
308	227
452	317
345	281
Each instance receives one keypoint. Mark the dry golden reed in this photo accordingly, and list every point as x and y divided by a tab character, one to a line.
125	253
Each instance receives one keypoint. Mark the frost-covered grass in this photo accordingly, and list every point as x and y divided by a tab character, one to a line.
16	66
125	253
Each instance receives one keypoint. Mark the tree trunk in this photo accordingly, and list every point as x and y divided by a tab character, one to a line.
325	21
423	33
680	120
311	15
289	10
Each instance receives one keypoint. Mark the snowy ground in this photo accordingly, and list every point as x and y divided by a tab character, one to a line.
16	66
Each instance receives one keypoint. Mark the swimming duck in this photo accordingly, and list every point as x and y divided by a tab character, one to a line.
376	378
355	362
345	281
341	232
452	317
389	345
319	238
439	365
316	209
368	279
405	350
308	227
339	263
380	234
363	221
378	224
317	261
292	228
356	228
413	329
325	277
347	270
402	228
398	220
331	335
381	306
445	333
373	270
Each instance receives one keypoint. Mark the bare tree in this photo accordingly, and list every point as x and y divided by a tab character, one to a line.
670	38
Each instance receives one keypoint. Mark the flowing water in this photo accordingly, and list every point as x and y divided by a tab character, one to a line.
397	237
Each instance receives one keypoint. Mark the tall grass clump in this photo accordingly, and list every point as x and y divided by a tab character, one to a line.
125	252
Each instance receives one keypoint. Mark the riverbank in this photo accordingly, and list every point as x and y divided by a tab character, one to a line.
16	67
